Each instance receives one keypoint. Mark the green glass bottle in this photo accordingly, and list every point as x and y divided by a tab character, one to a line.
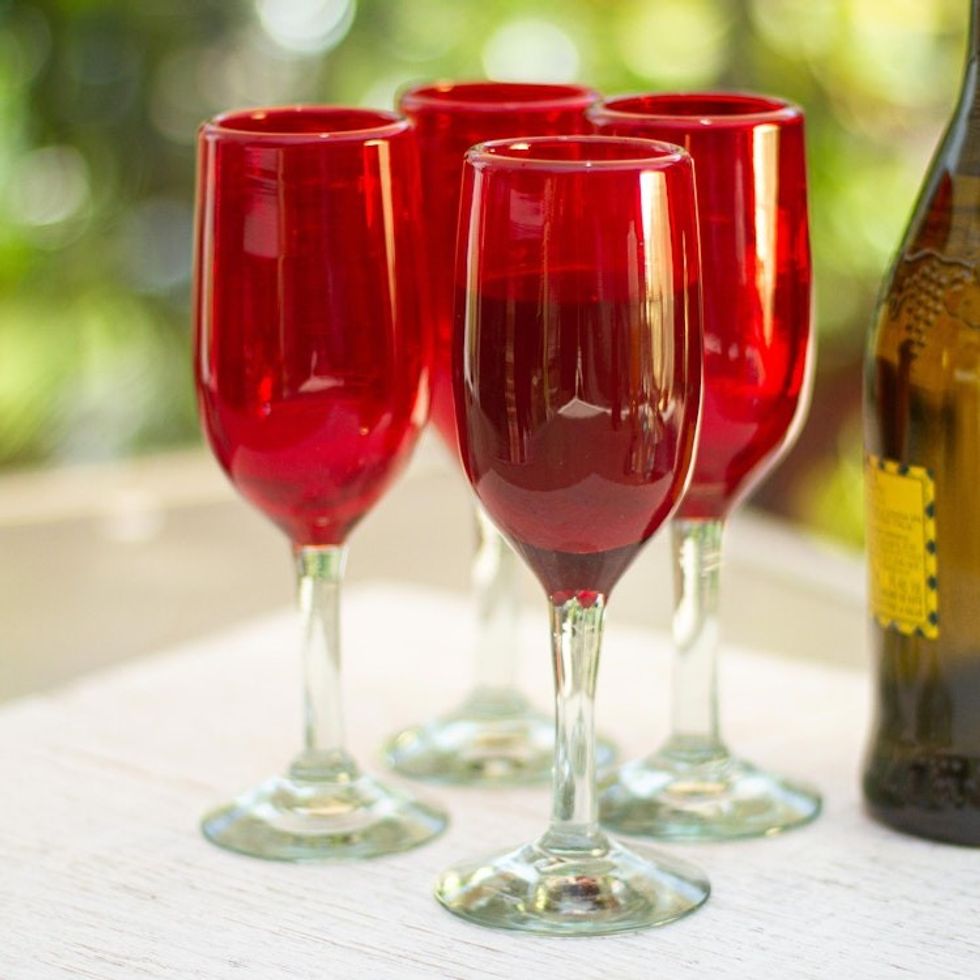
922	478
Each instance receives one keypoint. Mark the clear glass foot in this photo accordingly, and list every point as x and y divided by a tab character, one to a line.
670	797
313	815
543	888
495	738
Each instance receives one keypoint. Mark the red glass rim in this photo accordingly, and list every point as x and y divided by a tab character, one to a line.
490	96
582	153
305	123
683	109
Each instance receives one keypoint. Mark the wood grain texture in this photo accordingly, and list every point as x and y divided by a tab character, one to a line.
105	875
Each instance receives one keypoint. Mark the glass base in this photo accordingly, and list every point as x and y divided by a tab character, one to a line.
300	817
494	739
673	796
541	888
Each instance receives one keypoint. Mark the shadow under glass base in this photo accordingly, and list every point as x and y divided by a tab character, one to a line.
544	889
306	817
683	796
493	739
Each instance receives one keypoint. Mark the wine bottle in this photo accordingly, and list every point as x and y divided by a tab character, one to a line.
922	481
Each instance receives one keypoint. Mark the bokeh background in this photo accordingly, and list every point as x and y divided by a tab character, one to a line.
99	101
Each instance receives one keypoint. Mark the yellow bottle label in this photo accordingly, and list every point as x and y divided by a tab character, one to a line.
901	532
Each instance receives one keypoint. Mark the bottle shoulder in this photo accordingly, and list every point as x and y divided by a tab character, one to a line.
932	301
931	298
946	219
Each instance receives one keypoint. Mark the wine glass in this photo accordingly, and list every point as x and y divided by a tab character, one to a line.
578	377
495	736
311	356
751	182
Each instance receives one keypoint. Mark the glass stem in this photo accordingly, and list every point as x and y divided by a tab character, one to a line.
576	635
319	572
497	594
697	564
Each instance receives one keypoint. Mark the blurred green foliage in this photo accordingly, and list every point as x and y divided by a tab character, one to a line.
99	101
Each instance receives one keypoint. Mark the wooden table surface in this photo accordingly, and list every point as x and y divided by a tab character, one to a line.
105	874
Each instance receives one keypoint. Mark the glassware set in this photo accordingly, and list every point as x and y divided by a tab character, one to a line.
599	363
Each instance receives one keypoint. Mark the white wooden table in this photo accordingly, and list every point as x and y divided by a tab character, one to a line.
104	874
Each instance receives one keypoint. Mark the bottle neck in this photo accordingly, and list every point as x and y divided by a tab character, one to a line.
959	152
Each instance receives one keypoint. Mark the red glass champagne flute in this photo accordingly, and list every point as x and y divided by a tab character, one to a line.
311	355
495	736
749	160
578	377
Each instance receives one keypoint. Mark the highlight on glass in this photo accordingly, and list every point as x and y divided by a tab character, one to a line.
495	736
578	379
311	356
749	160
